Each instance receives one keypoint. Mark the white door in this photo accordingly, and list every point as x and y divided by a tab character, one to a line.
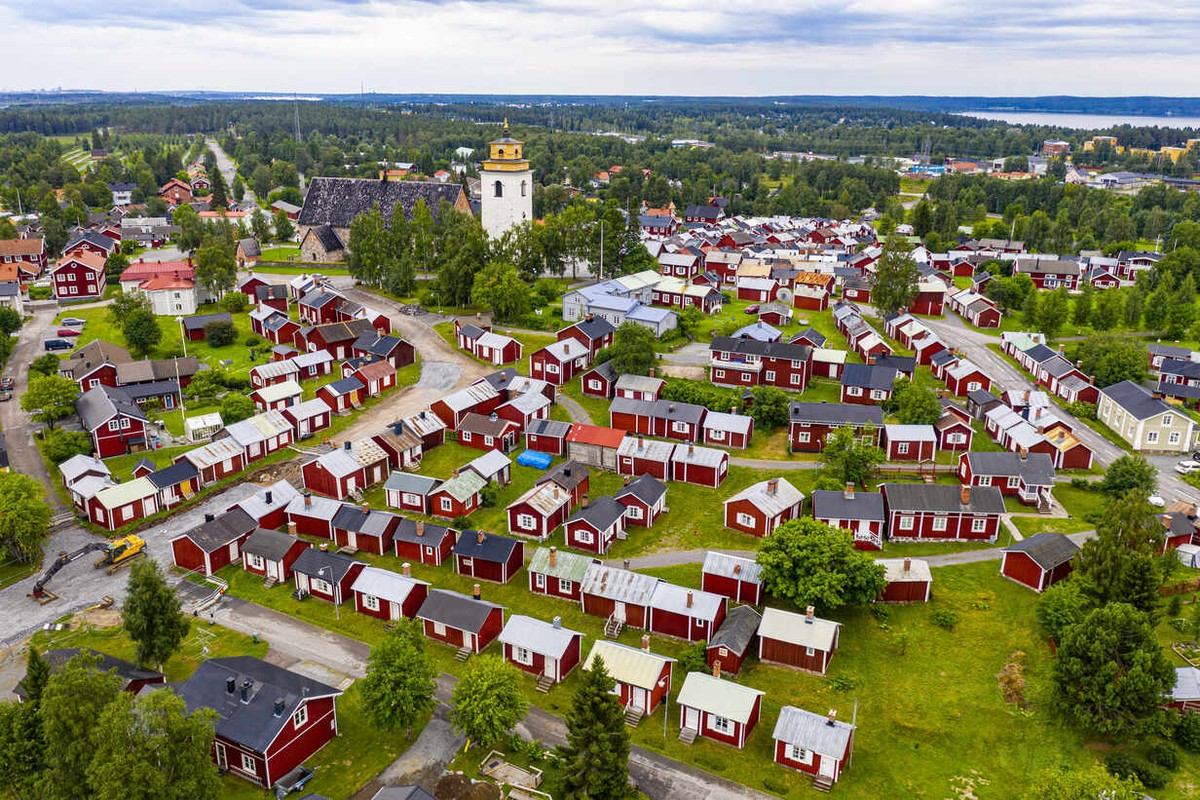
619	610
470	641
233	551
222	759
691	719
550	669
273	569
352	539
351	486
825	766
393	610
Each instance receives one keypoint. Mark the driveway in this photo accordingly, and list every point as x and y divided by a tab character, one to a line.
23	454
228	170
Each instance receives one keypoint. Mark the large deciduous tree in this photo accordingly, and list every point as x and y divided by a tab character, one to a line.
488	701
1129	473
1053	311
216	265
810	563
595	758
142	332
151	748
368	248
896	277
75	697
152	614
1123	562
499	287
915	405
1111	358
846	458
399	685
632	350
1111	675
50	398
24	516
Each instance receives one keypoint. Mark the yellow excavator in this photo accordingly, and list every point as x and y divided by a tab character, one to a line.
114	555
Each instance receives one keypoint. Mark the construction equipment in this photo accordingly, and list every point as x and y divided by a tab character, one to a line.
116	554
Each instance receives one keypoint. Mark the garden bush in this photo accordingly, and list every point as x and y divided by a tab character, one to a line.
944	618
1164	755
1187	732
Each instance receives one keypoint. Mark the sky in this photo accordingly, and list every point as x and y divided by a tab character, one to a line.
663	47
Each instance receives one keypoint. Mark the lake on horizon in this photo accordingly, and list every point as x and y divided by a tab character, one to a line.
1082	121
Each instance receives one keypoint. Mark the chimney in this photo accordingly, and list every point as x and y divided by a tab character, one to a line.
584	501
773	486
1024	453
848	493
246	684
553	557
480	536
691	450
279	707
964	495
690	598
1166	521
209	517
832	718
733	410
454	474
346	446
1028	393
1062	348
651	372
670	406
557	623
810	614
645	641
366	508
230	684
716	669
641	442
737	569
308	499
492	417
907	564
291	529
420	527
398	428
477	592
566	472
406	569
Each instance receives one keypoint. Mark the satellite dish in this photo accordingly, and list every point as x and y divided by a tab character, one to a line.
784	296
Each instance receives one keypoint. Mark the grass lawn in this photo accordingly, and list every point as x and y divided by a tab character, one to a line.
302	269
281	252
13	571
596	407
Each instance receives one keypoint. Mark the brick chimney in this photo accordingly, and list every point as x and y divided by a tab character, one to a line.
420	527
480	536
907	564
308	499
583	501
737	569
291	529
716	669
848	493
1025	450
1166	521
406	569
964	495
646	641
773	486
553	557
477	592
641	444
690	598
831	718
366	508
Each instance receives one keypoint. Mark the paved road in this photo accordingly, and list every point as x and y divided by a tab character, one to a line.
18	429
228	170
1007	376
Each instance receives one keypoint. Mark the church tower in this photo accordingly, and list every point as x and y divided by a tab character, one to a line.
506	183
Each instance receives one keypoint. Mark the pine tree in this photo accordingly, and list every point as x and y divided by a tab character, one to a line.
596	755
153	618
37	673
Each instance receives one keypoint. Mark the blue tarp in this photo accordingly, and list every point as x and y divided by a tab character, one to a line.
532	458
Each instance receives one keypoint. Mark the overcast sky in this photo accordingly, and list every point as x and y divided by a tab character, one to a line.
677	47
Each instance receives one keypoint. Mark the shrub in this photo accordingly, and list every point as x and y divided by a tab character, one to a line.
251	341
1122	765
1152	777
881	613
1082	410
234	302
842	683
1175	605
773	784
1082	483
487	495
1164	755
461	523
59	444
220	333
1180	624
1187	732
944	618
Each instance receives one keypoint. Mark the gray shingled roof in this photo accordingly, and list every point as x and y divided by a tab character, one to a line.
869	376
737	630
1135	399
214	534
812	732
493	548
101	404
835	505
932	497
455	610
644	487
601	513
836	413
271	545
312	561
1048	550
336	201
1037	469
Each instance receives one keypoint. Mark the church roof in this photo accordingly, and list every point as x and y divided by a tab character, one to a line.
336	201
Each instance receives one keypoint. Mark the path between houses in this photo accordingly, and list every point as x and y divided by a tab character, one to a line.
310	649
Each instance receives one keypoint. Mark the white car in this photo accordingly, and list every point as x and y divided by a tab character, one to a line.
1187	467
1156	501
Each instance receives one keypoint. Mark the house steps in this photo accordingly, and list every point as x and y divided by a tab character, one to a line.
613	628
688	735
270	582
463	654
822	783
633	717
544	684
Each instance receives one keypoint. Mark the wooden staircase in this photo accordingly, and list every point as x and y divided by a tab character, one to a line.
688	735
613	628
544	684
463	654
822	783
633	717
269	582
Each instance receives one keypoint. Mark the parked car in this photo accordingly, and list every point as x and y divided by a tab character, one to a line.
1187	467
68	332
8	383
58	344
752	309
1156	500
74	321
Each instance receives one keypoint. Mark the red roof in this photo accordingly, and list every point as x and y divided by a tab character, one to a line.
142	270
21	247
94	261
593	434
160	282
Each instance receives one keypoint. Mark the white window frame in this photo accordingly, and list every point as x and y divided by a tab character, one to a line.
680	427
978	525
769	376
906	523
370	602
526	522
255	561
1014	481
804	437
745	519
566	586
439	629
249	764
983	480
583	535
901	448
1152	437
1173	437
539	580
939	523
522	655
301	716
800	755
720	724
854	391
447	504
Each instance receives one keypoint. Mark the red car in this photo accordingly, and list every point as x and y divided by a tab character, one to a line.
68	332
752	309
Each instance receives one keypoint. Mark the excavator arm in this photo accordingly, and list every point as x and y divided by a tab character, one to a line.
60	562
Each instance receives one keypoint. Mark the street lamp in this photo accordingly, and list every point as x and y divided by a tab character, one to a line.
182	335
337	601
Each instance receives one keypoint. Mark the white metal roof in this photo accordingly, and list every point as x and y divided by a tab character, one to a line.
746	569
812	732
213	453
385	584
910	433
490	463
894	572
672	598
701	456
618	584
537	636
715	696
279	391
724	421
120	494
630	665
784	626
785	496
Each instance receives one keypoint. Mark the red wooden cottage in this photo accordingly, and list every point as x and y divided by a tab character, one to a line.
115	422
363	528
639	456
594	333
953	433
809	424
488	433
271	554
557	574
732	576
644	498
643	678
409	492
733	642
340	473
479	398
908	580
376	377
488	557
599	381
560	362
466	623
682	613
964	377
813	744
545	649
909	442
617	595
702	466
803	640
326	574
313	516
117	505
596	525
214	543
79	276
457	497
387	595
929	511
547	436
861	513
761	508
539	511
423	542
1039	561
719	710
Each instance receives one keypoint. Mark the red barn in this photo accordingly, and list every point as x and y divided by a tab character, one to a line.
861	513
719	710
539	511
803	641
596	525
557	574
909	442
731	645
387	595
594	333
363	528
313	516
764	506
643	678
467	623
560	362
545	649
269	720
1039	561
423	542
115	422
618	595
79	276
488	557
271	554
908	580
732	577
683	613
213	544
929	511
326	574
812	744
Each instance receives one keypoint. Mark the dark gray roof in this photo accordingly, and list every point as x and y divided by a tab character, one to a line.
327	237
470	331
271	545
659	409
1181	524
1135	399
319	297
869	376
600	513
904	364
140	391
402	793
828	504
374	522
604	370
1178	390
275	291
173	475
312	561
377	344
812	335
407	532
124	670
1039	353
1037	469
738	630
197	322
981	397
644	487
252	724
594	328
728	344
250	247
567	475
835	413
336	201
711	213
345	386
932	497
493	548
455	610
101	404
501	378
548	427
212	536
1048	550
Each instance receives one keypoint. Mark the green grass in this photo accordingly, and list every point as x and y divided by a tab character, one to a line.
306	268
281	252
596	407
13	571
